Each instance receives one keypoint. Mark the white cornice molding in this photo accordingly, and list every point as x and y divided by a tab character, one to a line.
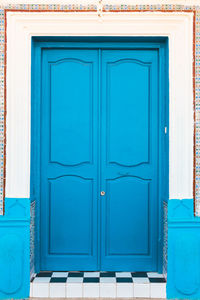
21	26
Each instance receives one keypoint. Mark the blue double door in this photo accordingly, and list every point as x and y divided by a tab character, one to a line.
99	159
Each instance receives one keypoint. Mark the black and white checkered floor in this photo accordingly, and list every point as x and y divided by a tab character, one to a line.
98	284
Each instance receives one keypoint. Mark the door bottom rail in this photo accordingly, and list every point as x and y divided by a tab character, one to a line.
98	285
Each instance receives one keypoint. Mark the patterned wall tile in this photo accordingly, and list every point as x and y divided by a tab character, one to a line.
32	239
165	238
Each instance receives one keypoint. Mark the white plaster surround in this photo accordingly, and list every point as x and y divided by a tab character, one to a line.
21	26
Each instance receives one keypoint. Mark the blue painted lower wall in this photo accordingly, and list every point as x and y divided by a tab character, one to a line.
15	249
183	276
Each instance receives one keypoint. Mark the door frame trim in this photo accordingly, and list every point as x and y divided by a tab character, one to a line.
158	43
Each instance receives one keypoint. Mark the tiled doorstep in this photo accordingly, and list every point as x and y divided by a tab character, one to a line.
96	290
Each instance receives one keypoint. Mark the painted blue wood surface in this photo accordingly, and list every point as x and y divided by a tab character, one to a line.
183	273
101	128
15	249
69	160
129	163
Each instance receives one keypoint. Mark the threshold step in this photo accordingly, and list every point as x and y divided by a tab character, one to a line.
98	285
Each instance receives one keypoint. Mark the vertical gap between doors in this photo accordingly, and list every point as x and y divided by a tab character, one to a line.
99	158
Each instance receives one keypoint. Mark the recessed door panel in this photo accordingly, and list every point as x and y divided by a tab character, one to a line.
130	91
127	211
70	200
71	101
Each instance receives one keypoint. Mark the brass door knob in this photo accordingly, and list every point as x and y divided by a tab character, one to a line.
102	193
